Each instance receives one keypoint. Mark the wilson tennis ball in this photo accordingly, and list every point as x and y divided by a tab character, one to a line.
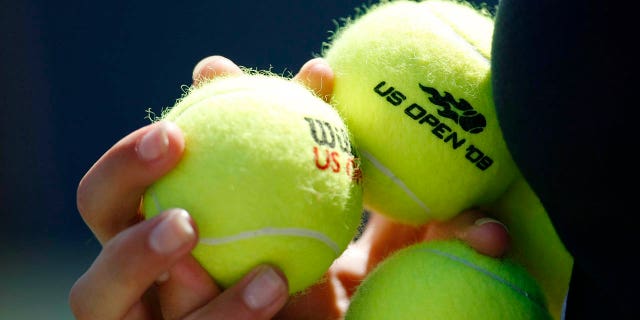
447	280
412	82
269	175
535	244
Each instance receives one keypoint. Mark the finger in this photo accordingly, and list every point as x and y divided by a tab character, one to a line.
129	264
259	295
319	302
109	195
213	66
329	298
486	235
483	233
317	75
186	287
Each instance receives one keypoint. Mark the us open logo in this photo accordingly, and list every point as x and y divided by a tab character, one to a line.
333	150
449	109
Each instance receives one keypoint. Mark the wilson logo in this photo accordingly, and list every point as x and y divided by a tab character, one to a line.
333	150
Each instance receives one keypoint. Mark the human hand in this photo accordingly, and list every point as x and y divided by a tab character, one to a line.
144	270
139	275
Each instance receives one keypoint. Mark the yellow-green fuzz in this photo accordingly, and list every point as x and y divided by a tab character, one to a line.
447	280
412	81
268	174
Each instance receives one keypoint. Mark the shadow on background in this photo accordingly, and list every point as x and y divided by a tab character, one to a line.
76	77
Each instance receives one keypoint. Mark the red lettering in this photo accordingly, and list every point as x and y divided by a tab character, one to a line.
335	156
317	159
357	173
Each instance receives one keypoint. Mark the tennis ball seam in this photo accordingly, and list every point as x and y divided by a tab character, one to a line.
271	231
266	231
435	12
395	179
488	273
269	174
381	167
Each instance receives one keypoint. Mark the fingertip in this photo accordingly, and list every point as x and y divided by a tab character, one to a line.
475	227
213	66
318	76
266	287
163	137
488	236
175	136
174	231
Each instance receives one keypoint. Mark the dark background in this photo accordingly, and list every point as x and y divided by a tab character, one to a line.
76	77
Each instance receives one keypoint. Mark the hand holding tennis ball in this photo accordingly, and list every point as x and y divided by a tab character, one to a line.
269	175
412	81
447	280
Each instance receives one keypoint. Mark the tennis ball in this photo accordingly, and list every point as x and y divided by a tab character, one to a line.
268	174
412	82
447	280
535	244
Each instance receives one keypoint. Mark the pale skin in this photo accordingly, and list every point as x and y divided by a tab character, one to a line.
145	270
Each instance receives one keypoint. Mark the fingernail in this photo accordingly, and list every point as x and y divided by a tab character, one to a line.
196	73
485	220
320	64
211	67
154	143
172	232
264	289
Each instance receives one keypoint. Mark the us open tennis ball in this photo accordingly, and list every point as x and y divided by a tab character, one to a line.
412	81
447	280
269	175
534	242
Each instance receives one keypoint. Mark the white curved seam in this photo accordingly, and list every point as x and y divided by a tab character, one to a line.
460	36
267	231
271	231
487	273
387	172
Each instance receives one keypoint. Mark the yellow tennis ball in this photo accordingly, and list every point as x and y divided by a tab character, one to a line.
535	244
447	280
268	174
412	81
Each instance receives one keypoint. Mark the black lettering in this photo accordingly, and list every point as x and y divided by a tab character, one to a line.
396	98
332	143
343	139
484	163
378	90
417	114
454	138
319	134
430	119
440	129
473	154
